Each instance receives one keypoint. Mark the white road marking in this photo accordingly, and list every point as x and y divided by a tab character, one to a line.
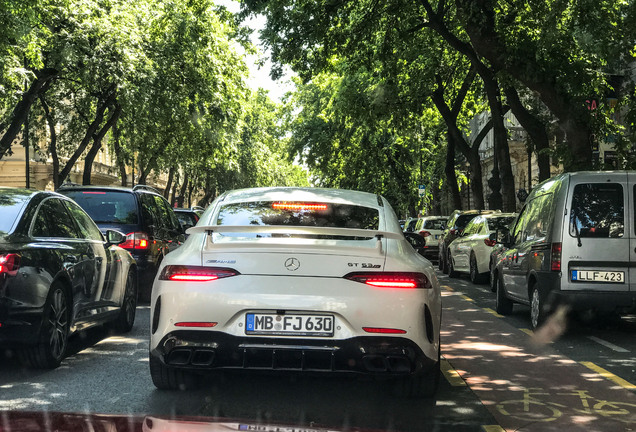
608	344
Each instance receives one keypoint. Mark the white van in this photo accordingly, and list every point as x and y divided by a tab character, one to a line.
574	243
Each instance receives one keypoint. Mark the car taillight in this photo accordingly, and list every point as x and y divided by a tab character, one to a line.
135	240
297	206
490	243
425	233
555	260
391	279
195	273
9	264
453	231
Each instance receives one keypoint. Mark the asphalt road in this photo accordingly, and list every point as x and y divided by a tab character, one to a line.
496	378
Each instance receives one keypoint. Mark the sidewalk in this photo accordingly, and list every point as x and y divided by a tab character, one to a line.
526	386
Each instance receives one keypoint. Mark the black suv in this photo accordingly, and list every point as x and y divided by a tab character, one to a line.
142	215
455	225
188	217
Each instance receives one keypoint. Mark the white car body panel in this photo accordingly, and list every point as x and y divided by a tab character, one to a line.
314	284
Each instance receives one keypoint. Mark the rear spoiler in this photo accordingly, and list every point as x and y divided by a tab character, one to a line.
297	230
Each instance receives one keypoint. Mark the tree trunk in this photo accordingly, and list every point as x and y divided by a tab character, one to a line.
121	163
50	120
182	192
166	191
90	132
209	192
97	145
535	129
42	81
451	177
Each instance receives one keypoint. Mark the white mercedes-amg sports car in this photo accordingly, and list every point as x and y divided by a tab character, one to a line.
297	279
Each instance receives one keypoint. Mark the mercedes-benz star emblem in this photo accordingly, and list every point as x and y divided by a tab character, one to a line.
292	264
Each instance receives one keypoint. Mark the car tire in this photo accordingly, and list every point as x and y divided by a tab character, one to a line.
503	304
167	378
475	276
493	280
538	306
451	270
126	318
53	341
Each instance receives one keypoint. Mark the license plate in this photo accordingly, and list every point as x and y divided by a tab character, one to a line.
598	276
288	325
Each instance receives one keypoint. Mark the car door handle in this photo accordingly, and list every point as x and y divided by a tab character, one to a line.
70	259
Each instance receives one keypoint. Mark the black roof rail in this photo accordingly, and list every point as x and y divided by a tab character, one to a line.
147	188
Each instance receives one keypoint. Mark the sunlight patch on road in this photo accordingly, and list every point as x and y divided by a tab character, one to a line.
465	297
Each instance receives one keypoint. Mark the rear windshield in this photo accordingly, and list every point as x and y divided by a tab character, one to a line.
299	214
463	220
107	206
597	210
435	224
496	223
11	203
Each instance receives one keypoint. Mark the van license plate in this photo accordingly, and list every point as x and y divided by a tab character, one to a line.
598	276
288	325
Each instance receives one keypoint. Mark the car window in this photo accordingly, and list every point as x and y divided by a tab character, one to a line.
472	227
537	220
166	215
495	223
462	220
53	220
11	204
149	210
434	224
107	206
315	214
86	225
598	210
187	218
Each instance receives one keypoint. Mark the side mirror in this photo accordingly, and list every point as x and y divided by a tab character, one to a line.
502	236
114	237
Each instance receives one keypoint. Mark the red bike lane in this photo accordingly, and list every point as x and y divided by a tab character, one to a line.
528	386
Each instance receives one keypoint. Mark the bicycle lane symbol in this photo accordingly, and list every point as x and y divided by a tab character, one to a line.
532	408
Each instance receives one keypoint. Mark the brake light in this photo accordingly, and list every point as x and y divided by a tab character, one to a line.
383	330
425	233
135	240
195	273
555	261
453	231
299	206
9	264
490	243
406	280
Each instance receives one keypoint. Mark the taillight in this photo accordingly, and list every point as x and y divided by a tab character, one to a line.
195	273
555	260
425	233
136	240
453	231
391	279
297	206
490	243
9	264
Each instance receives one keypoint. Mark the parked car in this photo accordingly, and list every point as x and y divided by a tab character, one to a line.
431	228
58	275
409	225
188	217
470	252
297	279
142	215
455	225
572	244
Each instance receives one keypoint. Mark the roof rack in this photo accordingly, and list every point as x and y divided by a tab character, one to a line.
147	188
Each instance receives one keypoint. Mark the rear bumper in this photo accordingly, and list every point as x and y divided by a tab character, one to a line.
19	327
210	350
